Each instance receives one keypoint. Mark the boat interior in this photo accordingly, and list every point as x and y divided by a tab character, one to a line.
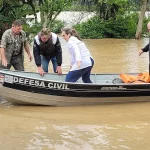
96	78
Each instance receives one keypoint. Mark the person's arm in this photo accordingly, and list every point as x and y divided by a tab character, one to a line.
26	46
2	49
58	56
77	54
4	61
37	58
145	49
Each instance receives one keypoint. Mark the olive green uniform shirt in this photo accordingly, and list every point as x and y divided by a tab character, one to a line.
13	44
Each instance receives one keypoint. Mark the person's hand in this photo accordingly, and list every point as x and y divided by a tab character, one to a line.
4	62
59	70
140	52
78	64
41	71
30	57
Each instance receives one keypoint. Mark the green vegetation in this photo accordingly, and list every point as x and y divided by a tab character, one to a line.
113	19
121	27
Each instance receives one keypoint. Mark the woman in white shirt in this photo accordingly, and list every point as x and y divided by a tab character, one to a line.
81	60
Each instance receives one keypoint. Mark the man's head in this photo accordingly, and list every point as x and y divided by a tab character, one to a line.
45	34
148	26
17	26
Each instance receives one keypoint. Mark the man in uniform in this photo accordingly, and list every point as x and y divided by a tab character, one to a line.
11	48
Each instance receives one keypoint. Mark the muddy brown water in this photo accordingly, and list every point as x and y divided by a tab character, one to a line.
103	127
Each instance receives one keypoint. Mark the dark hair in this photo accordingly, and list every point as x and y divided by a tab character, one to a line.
17	22
72	32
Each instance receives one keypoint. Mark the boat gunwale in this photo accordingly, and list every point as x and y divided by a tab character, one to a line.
9	72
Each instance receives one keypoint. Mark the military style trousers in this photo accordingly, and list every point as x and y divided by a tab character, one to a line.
17	62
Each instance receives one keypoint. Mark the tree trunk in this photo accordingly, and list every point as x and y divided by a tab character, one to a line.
141	18
44	19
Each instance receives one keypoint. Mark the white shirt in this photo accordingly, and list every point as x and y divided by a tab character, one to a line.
79	52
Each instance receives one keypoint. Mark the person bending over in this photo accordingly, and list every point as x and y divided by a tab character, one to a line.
47	48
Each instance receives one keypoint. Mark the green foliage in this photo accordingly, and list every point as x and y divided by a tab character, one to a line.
56	26
145	32
121	27
50	9
34	29
22	11
91	29
5	18
5	23
114	22
79	5
11	10
118	2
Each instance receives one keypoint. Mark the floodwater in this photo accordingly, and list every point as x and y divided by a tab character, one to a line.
103	127
110	55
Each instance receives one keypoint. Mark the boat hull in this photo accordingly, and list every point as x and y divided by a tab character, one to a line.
28	88
27	98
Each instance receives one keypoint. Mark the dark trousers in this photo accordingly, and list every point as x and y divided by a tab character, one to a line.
73	76
16	62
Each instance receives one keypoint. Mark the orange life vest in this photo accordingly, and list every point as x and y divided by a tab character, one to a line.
140	78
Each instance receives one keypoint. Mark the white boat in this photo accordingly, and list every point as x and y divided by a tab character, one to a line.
28	88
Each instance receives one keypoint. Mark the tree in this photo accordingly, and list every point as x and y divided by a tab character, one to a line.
105	8
141	18
14	9
50	9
